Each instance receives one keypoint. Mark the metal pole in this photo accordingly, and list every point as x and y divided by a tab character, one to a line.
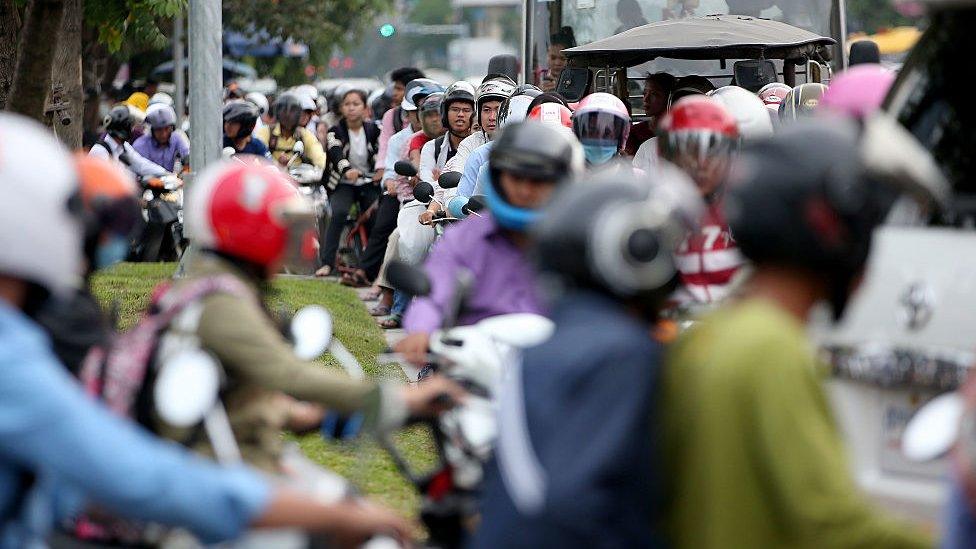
179	70
206	82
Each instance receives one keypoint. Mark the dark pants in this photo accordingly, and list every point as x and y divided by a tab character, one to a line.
341	200
384	222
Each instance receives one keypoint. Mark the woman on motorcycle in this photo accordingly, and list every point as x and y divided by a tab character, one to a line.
602	124
352	146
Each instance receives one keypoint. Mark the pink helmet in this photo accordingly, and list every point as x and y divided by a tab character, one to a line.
858	91
774	93
601	116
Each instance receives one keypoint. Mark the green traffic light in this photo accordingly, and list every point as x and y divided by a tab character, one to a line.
387	30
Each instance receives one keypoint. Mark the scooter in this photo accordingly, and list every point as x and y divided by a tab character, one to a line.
162	239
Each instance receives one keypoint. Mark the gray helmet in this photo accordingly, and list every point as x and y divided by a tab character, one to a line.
161	116
118	122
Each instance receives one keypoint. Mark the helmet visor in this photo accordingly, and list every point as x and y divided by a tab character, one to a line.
599	129
704	155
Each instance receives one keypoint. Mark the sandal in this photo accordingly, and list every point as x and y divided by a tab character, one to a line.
380	310
371	295
324	271
356	279
392	323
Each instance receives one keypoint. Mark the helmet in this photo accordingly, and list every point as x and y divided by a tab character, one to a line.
138	100
774	93
118	122
602	124
243	112
110	210
750	114
380	100
250	211
160	98
617	235
514	108
534	151
458	91
698	135
527	89
259	100
431	105
858	91
307	90
40	236
307	102
801	101
418	87
497	89
552	113
161	116
288	109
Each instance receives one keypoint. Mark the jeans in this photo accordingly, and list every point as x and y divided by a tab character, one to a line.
400	303
384	222
341	200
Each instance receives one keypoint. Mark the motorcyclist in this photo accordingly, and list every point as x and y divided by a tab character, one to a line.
281	137
752	455
656	98
488	101
526	164
260	101
245	218
542	489
161	145
115	145
751	116
394	118
457	115
602	124
858	91
431	126
699	136
59	449
240	117
801	101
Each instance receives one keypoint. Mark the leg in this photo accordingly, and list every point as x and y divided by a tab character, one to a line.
385	222
341	200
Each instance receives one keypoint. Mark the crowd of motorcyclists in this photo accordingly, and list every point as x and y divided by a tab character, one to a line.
741	211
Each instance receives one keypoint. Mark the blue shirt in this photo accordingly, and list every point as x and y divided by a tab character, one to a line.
254	146
77	450
472	166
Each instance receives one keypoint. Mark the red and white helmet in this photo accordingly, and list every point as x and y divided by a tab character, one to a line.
774	93
250	211
553	114
699	135
601	117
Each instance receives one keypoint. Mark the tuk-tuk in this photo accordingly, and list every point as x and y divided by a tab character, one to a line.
725	49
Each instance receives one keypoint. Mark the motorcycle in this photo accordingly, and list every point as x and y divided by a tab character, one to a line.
162	238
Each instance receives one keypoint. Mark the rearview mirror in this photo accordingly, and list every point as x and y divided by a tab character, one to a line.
475	204
573	83
408	278
934	428
311	331
423	192
449	180
298	147
519	330
753	74
228	152
404	168
186	388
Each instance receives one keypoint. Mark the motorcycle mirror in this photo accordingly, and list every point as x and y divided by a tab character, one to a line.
404	168
423	192
298	147
449	180
475	204
186	388
311	331
520	330
228	152
934	428
408	278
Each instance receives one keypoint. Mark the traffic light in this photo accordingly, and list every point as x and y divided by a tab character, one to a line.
387	30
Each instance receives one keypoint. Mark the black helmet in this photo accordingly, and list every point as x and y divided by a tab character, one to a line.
118	122
243	112
458	91
288	109
812	208
516	106
617	235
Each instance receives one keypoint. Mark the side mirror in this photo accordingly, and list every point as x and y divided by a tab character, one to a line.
228	152
186	388
404	168
475	204
423	192
753	74
298	147
408	278
934	428
573	83
519	330
311	331
449	180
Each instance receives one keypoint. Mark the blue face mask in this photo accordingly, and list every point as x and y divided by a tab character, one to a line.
599	154
111	251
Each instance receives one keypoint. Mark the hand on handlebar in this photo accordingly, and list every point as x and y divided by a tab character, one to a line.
353	174
431	397
414	348
426	218
359	521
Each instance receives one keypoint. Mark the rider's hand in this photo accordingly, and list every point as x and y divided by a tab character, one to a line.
426	217
359	521
432	396
348	523
414	348
353	175
436	173
390	187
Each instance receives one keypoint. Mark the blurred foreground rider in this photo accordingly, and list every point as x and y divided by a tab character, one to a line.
543	488
753	456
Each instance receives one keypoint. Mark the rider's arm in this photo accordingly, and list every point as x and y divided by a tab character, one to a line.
469	177
140	165
313	149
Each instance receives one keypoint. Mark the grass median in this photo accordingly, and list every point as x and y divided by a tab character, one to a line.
127	287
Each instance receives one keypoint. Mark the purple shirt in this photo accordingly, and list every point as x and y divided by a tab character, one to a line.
164	156
504	281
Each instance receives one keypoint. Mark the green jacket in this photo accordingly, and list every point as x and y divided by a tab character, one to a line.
753	456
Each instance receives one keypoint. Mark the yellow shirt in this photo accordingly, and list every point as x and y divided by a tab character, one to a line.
314	152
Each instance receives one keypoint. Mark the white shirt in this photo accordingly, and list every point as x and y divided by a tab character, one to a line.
646	158
465	147
137	163
428	164
358	153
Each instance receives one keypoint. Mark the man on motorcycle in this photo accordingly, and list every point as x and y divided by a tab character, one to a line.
245	218
657	99
281	137
394	118
700	136
161	145
457	115
60	449
489	99
602	124
240	117
526	164
752	455
115	144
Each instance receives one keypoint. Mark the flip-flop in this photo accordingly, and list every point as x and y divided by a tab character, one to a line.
356	279
391	323
324	271
380	310
371	295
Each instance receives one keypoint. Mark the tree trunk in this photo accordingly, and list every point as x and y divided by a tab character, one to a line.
32	77
9	31
97	65
66	73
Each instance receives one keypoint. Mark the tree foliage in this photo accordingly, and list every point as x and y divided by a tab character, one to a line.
127	27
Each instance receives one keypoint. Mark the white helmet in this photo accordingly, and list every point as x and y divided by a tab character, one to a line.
259	100
40	238
751	115
161	98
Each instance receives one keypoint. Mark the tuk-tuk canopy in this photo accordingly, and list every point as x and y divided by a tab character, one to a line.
709	37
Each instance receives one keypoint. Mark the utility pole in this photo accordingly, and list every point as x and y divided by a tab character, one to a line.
206	82
179	67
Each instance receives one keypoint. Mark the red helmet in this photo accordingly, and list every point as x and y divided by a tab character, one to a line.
601	117
553	114
250	211
699	134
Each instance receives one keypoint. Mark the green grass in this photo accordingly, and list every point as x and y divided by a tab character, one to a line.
129	286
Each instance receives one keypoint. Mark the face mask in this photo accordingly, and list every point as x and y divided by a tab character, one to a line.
599	154
111	251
